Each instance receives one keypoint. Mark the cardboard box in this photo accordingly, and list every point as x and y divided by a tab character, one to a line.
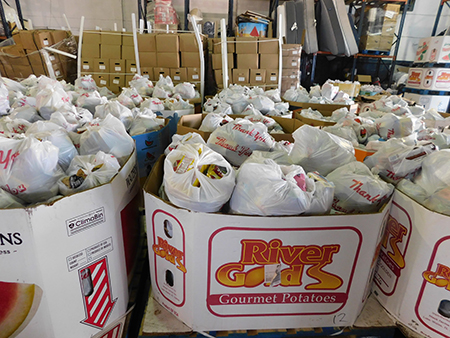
56	262
241	76
246	45
435	79
53	57
111	51
369	42
389	28
130	67
147	72
117	66
217	46
168	60
325	109
249	61
415	76
18	60
146	42
87	65
157	71
411	280
128	78
291	62
90	51
352	89
59	35
26	39
150	146
102	80
257	77
272	76
312	122
43	38
127	39
188	43
91	37
22	72
386	42
217	61
438	102
220	261
111	38
128	53
364	78
268	46
268	61
147	59
190	59
439	50
192	123
101	66
167	43
218	75
423	50
291	49
193	75
58	70
293	74
117	80
179	74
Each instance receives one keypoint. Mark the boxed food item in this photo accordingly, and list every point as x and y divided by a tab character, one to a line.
68	276
249	272
438	102
167	43
435	79
415	77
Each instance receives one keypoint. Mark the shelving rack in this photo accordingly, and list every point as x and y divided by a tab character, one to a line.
7	31
438	16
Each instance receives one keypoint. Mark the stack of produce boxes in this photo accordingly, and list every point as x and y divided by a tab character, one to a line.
290	78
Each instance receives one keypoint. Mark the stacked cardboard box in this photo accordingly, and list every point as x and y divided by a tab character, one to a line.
26	58
251	61
290	78
379	27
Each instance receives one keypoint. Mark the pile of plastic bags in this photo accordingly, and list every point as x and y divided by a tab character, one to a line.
327	94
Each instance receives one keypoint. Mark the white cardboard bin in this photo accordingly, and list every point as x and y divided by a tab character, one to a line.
227	272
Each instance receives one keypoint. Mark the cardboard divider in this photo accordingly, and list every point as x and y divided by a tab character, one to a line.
323	108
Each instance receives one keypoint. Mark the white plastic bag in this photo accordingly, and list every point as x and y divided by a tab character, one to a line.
9	126
88	171
154	104
186	90
4	99
143	85
107	135
357	190
189	138
9	201
212	121
262	103
274	95
197	178
146	122
85	84
268	189
50	99
435	174
237	139
90	100
329	91
391	125
317	150
251	110
345	132
116	109
130	98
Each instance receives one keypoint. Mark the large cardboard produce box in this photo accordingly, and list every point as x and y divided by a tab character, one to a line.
436	79
412	277
325	109
226	272
438	102
64	266
433	49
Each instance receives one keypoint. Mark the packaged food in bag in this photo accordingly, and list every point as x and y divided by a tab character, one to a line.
90	100
329	91
154	104
186	90
435	174
189	138
237	139
85	84
346	133
317	150
198	178
273	126
4	99
145	122
9	201
323	196
88	171
357	190
143	85
213	121
116	109
269	189
440	139
391	125
261	102
273	94
297	95
9	126
33	172
130	98
50	99
108	135
26	112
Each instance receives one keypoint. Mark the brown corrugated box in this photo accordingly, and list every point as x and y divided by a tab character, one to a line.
53	57
147	59
167	43
42	38
116	82
128	78
111	38
102	80
291	73
128	52
241	76
157	71
257	77
291	62
90	51
58	70
101	66
117	66
217	47
291	49
217	61
249	61
146	42
179	74
190	59
130	66
188	43
87	65
127	39
268	61
218	75
272	76
111	51
246	45
268	46
91	37
386	42
193	74
369	42
168	60
22	71
59	35
147	72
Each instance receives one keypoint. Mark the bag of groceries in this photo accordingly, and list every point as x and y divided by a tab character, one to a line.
213	121
198	178
188	138
9	201
116	109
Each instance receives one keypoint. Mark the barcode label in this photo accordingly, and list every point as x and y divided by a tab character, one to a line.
195	77
102	67
273	78
259	78
241	79
118	69
116	81
103	82
85	66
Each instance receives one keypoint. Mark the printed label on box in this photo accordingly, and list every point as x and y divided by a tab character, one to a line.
115	81
258	78
429	77
52	58
273	78
177	78
102	67
443	79
45	42
294	64
389	14
309	266
133	70
195	77
85	221
393	249
85	66
117	69
241	79
295	52
91	253
57	73
103	82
